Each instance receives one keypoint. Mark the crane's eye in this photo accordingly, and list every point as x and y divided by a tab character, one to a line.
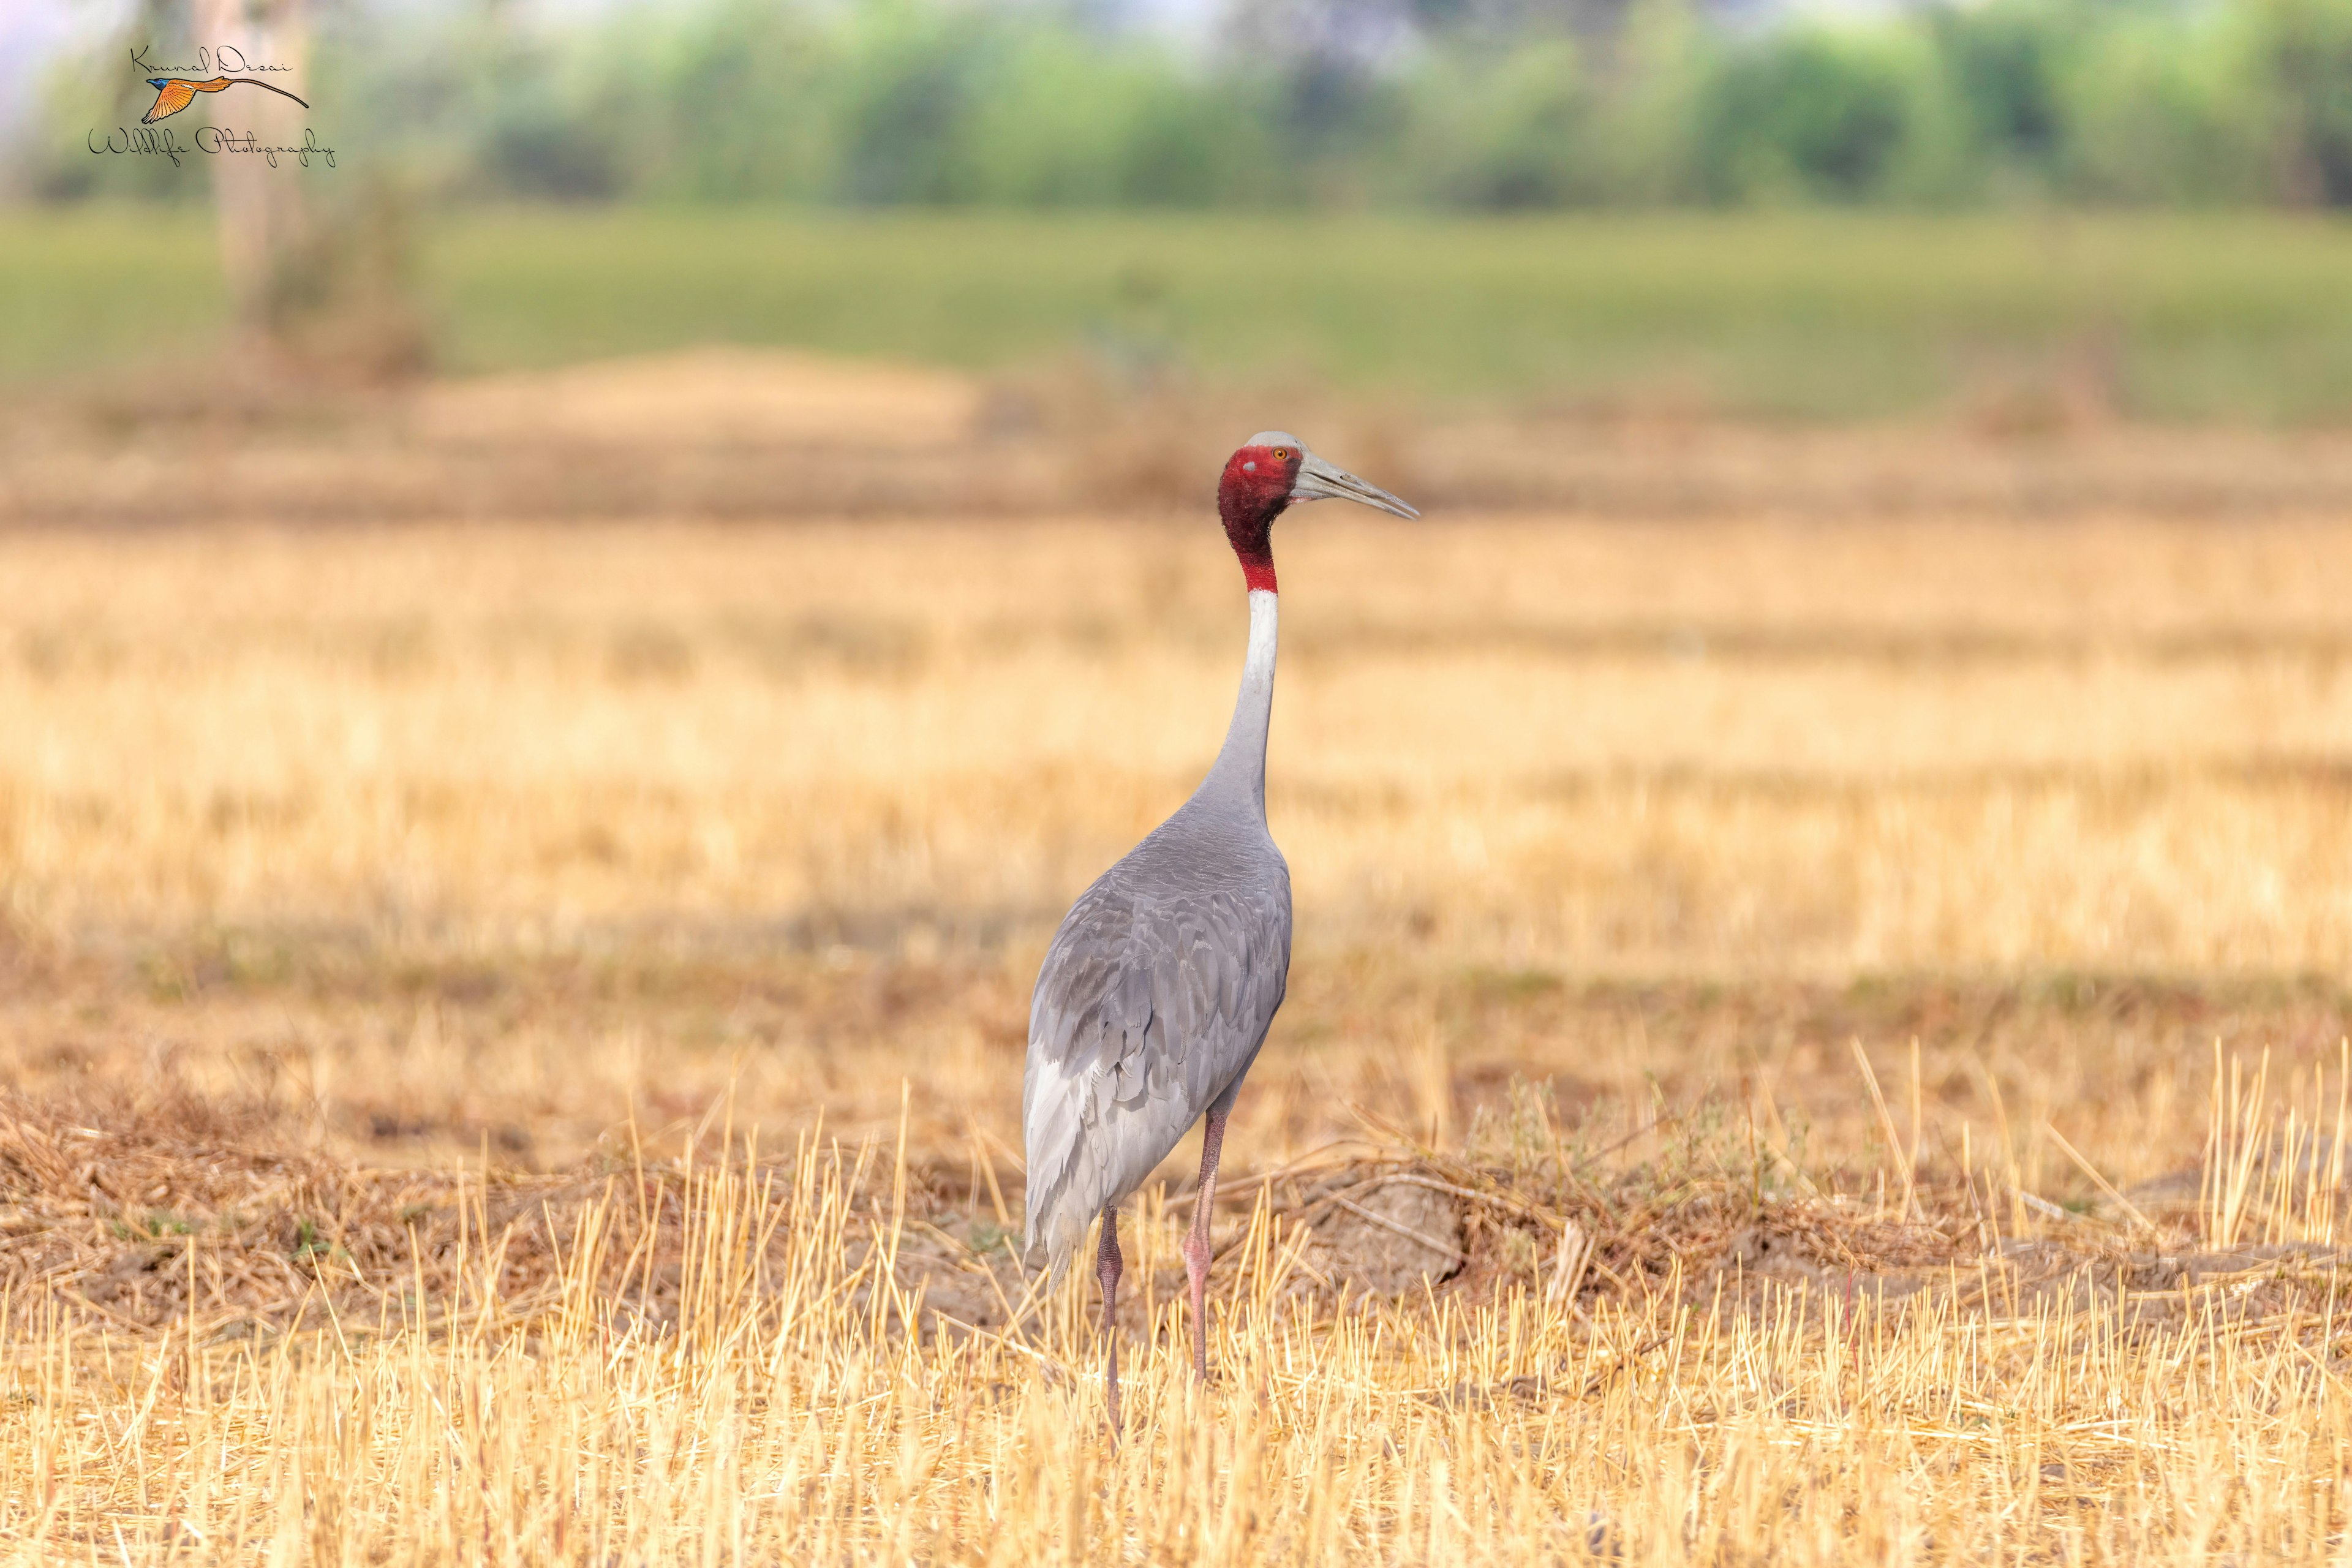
1282	454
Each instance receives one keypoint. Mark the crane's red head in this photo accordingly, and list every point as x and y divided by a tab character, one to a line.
1268	474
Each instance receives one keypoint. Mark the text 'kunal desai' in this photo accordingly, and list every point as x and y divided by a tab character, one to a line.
221	58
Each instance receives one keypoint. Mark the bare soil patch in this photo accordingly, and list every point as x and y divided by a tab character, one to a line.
726	432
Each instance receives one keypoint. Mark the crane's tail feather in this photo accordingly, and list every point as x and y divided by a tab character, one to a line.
1057	1232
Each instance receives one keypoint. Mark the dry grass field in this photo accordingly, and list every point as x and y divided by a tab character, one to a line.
514	1035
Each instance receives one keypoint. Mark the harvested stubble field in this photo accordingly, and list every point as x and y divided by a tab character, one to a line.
1811	1042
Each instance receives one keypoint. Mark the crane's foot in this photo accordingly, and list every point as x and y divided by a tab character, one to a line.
1196	1267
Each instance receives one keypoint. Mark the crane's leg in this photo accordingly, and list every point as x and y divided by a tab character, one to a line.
1107	1268
1196	1240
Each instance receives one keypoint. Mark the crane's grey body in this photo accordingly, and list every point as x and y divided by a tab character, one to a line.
1159	987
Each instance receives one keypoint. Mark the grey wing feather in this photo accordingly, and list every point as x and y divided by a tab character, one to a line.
1149	1007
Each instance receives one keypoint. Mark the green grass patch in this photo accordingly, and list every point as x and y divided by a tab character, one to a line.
93	289
1806	315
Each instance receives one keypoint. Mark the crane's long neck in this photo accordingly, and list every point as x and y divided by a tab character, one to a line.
1240	768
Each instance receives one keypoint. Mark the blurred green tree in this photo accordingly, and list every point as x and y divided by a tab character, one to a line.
1464	103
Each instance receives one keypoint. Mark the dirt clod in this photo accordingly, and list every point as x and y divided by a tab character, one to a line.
1389	1239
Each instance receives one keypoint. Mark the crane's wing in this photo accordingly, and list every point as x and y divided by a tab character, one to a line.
170	99
1148	1007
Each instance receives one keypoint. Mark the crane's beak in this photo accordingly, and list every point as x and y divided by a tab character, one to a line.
1319	481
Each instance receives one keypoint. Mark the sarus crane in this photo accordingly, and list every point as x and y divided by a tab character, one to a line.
1159	988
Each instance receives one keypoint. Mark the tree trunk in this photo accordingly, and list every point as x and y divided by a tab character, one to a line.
263	220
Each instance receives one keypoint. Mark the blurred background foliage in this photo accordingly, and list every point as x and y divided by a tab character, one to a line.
1443	104
2068	207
